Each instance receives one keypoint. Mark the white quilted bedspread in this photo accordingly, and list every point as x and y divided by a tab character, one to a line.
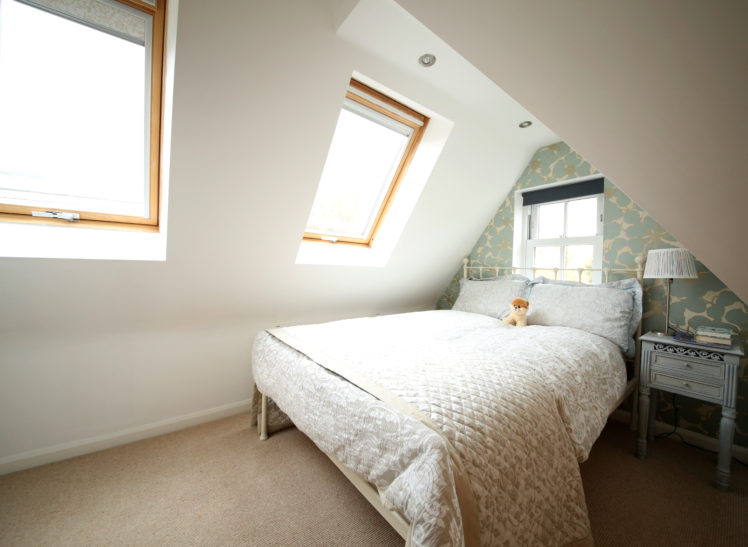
522	406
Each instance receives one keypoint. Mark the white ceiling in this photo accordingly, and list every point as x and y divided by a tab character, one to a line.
257	90
652	93
386	30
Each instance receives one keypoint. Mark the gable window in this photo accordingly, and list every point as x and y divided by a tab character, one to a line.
563	230
373	144
80	111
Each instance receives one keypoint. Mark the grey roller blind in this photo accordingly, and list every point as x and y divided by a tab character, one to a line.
569	191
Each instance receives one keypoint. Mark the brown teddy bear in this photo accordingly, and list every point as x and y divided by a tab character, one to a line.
518	313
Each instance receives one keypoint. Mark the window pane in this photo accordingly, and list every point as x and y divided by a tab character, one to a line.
550	220
547	257
361	163
581	217
72	115
578	256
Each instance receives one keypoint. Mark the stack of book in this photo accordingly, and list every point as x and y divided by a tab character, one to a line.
713	336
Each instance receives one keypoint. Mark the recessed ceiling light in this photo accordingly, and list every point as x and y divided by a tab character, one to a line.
427	59
524	124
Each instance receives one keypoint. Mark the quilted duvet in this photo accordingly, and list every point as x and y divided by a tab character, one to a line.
521	407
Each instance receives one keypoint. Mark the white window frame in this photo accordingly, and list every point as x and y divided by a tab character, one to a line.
526	224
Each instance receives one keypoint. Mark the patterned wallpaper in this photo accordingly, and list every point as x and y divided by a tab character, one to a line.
629	232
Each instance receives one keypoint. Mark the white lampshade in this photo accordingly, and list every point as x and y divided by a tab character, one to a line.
670	264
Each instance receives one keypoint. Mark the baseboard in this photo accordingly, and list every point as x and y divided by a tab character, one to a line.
740	453
63	451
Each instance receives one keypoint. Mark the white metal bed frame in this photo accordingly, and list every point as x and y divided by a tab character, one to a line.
371	493
638	271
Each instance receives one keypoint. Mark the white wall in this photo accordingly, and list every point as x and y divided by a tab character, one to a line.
96	352
652	93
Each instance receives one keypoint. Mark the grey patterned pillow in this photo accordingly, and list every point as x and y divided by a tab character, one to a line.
491	296
629	285
599	310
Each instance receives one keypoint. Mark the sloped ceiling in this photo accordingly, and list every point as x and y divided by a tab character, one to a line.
257	90
652	93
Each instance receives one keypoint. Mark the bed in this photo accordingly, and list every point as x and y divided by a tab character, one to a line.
458	428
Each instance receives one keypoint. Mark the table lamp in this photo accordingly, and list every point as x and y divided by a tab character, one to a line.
669	264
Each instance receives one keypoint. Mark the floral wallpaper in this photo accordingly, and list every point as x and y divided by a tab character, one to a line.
629	232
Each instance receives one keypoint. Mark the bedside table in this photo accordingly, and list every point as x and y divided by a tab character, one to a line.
707	373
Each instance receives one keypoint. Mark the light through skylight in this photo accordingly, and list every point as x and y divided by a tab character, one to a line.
72	112
361	162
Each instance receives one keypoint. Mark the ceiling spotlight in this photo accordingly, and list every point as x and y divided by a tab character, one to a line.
524	124
427	59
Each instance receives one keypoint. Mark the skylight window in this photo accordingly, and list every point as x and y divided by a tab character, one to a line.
80	110
373	144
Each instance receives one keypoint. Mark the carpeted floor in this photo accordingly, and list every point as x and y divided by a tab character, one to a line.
217	484
669	498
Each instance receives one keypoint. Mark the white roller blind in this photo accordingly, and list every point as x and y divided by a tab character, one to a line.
387	106
376	117
102	15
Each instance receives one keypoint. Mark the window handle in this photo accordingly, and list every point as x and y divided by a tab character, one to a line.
70	217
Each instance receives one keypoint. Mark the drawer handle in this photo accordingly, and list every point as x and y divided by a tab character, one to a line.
687	365
686	384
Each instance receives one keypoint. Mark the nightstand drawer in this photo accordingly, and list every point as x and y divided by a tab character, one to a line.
660	379
665	362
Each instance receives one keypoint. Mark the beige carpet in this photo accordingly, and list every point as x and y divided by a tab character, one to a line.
667	499
217	484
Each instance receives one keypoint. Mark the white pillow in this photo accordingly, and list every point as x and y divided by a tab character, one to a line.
603	311
491	296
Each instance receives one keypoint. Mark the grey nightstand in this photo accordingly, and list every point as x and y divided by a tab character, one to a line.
707	373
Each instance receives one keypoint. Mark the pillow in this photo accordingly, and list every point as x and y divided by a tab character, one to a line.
491	296
604	311
631	286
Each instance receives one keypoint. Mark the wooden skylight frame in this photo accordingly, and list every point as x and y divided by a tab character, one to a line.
398	112
91	219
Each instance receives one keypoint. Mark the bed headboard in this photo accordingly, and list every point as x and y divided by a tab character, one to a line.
637	272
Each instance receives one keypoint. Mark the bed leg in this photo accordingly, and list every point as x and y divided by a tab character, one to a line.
637	363
264	418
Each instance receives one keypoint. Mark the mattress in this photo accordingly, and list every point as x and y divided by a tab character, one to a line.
520	407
